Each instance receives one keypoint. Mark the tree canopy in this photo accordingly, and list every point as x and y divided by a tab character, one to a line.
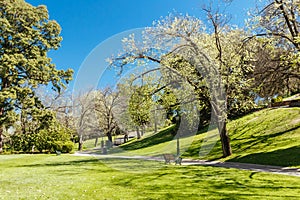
27	35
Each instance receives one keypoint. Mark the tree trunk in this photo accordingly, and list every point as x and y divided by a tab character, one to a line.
225	140
155	126
1	139
109	137
138	133
125	137
155	122
80	144
1	131
143	130
96	141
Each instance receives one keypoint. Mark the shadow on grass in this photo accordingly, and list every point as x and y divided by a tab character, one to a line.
251	144
160	137
66	163
266	139
282	157
205	182
102	164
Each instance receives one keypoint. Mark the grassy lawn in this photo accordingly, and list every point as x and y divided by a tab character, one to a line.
70	177
270	136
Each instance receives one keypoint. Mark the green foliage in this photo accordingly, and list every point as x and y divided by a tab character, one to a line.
278	99
170	103
64	147
27	34
67	147
140	103
44	138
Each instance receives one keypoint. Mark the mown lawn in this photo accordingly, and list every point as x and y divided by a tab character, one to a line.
270	136
70	177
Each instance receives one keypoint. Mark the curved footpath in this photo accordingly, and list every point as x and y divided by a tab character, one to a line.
242	166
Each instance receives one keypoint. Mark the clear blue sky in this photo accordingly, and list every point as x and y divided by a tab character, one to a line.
87	23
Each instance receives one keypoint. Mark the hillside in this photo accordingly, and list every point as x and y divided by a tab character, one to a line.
270	136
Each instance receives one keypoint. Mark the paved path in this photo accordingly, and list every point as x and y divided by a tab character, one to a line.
243	166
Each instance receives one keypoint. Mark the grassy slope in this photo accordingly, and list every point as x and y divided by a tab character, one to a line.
270	136
294	97
70	177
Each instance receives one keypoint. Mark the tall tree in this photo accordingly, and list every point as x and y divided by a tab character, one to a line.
276	24
106	107
212	63
140	104
84	115
26	36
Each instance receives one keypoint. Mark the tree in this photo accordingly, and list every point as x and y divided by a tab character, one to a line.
140	104
84	114
61	104
212	63
39	130
106	104
276	27
26	36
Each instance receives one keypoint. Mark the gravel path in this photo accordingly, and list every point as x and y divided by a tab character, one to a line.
242	166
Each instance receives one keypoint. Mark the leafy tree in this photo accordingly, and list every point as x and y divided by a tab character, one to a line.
140	104
169	102
39	130
213	64
26	36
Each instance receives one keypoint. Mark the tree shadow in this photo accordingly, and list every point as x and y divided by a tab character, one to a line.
282	157
160	137
63	163
206	182
266	140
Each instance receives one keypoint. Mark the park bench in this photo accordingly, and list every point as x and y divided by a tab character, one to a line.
170	157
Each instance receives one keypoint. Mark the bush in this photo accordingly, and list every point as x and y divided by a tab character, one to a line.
278	99
57	146
52	139
67	147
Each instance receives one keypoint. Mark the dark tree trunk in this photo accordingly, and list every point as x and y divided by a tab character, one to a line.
96	141
109	137
125	137
80	144
109	142
222	128
225	140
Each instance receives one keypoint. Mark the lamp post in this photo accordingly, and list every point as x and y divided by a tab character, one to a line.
177	118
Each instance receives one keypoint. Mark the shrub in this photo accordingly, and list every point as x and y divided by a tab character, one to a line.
54	138
57	146
67	147
278	99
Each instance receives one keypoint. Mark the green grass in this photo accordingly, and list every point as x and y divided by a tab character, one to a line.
270	136
70	177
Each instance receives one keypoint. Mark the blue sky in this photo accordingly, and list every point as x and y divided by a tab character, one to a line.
87	23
